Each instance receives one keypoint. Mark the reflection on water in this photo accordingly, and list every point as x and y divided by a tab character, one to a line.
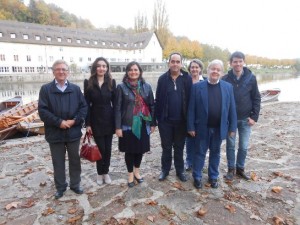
289	85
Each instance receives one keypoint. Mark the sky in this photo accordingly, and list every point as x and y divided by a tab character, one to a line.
266	28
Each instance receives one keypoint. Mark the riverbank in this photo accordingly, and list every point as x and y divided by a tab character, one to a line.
27	187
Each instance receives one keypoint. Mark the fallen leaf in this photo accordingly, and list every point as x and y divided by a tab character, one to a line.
12	205
72	211
207	185
278	220
253	176
48	211
202	212
178	186
28	204
278	174
277	189
151	218
74	219
151	202
43	184
230	208
28	171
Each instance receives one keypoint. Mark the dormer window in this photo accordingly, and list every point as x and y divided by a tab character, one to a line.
95	42
87	42
37	37
78	41
1	35
69	40
103	43
25	36
59	39
48	38
13	35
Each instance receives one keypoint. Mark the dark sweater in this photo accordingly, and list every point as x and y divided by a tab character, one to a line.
214	105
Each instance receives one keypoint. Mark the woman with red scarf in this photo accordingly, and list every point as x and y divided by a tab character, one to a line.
134	117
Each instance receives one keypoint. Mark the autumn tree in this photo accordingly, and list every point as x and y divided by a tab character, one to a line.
140	23
161	22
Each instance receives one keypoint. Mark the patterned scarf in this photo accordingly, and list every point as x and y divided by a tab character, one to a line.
140	110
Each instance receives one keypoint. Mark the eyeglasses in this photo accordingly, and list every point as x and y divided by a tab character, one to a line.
61	69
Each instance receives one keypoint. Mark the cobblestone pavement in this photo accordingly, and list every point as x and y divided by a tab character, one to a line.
271	197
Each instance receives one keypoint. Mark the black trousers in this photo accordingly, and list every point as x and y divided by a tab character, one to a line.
133	160
104	144
58	153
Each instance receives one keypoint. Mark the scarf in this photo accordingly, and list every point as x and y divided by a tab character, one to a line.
140	110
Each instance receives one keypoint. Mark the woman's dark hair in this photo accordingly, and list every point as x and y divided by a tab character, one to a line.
93	81
128	67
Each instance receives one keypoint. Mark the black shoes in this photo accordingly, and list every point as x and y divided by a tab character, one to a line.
213	183
163	176
241	172
182	177
230	174
188	168
197	184
141	180
78	190
131	184
59	194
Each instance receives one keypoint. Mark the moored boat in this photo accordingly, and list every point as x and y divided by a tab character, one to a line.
10	104
32	124
270	95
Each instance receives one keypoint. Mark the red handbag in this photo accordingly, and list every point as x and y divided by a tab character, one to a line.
88	150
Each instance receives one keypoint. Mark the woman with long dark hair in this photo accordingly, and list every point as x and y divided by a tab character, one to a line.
134	116
99	92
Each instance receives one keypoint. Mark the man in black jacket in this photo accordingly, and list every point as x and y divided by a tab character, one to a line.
171	102
247	99
63	109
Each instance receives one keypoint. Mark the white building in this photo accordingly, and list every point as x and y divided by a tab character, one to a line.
32	48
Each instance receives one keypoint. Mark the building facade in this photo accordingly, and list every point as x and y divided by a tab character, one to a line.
32	48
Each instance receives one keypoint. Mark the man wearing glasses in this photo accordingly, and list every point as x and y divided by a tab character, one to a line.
63	109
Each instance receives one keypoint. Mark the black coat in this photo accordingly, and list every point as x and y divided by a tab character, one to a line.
101	108
55	106
125	100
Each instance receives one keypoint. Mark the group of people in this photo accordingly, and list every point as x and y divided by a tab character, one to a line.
187	108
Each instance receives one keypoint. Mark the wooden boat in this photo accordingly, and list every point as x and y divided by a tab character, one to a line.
10	104
32	124
270	95
10	119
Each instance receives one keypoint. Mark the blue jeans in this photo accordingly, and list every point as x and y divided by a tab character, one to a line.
213	143
244	131
190	151
172	136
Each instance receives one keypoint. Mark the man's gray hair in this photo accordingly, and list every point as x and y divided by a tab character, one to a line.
216	62
59	61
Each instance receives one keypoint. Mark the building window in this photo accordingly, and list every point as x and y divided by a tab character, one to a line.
61	49
51	58
26	69
17	69
1	35
141	44
16	58
87	42
40	58
12	35
103	43
140	51
71	59
25	36
48	38
80	59
69	40
95	42
113	59
2	57
78	41
89	59
59	39
28	57
37	37
32	69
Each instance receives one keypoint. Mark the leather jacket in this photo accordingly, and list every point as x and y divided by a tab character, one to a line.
124	104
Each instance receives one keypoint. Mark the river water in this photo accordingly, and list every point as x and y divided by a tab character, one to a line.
289	85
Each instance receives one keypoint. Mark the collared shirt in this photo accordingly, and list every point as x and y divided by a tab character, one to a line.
201	78
63	88
213	83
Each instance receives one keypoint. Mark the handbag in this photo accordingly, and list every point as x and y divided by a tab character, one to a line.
88	150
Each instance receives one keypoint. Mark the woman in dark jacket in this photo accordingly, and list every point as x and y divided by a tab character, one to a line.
99	92
134	116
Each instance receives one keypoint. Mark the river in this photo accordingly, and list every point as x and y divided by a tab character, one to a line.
289	85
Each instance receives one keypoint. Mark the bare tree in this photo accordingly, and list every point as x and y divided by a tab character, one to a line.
140	23
161	22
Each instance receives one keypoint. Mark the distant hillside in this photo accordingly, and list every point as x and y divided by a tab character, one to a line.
40	12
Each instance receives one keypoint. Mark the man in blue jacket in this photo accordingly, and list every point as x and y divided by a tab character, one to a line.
247	100
211	118
63	109
171	102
